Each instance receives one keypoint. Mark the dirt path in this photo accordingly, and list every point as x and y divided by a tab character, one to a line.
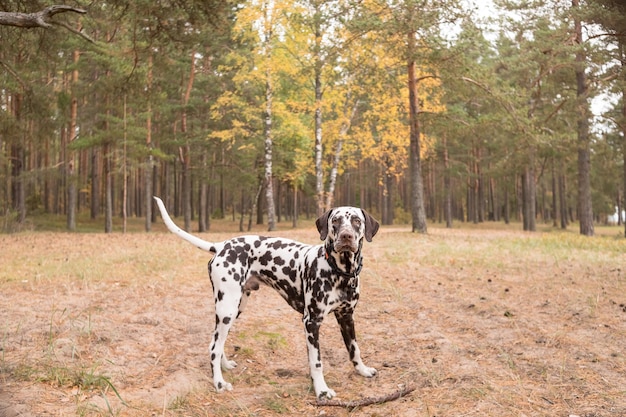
484	323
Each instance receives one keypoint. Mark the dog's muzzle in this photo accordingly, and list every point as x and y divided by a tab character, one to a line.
346	242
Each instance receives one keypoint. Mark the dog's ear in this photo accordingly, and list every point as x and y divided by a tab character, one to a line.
322	224
371	226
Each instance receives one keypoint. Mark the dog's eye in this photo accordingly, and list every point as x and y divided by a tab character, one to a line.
356	222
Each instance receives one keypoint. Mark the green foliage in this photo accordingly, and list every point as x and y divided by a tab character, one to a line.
187	79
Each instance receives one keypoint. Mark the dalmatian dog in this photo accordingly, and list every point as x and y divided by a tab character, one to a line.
314	280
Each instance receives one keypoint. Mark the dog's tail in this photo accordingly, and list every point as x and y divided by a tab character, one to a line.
196	241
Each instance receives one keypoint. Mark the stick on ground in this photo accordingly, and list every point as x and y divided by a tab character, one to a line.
367	400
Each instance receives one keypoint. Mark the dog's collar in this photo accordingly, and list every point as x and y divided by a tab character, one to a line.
352	276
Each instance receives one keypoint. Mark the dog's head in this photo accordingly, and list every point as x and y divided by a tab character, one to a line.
346	227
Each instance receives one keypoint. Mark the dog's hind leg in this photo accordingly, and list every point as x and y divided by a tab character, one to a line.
227	303
252	284
228	364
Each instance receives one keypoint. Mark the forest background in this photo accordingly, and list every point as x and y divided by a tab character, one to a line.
268	110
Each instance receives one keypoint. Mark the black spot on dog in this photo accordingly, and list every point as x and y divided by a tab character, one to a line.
266	258
226	320
291	273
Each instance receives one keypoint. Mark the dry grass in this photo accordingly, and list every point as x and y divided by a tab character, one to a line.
483	322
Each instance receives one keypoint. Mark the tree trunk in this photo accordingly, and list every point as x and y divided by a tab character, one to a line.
317	68
148	170
17	160
95	184
418	212
493	198
125	169
108	171
72	178
108	190
585	209
507	206
447	190
480	188
622	47
319	173
562	201
529	199
624	155
254	206
343	131
553	185
203	212
269	183
184	152
294	216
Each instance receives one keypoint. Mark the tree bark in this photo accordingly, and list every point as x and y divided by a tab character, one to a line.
529	199
95	183
563	202
585	209
268	180
624	155
447	190
148	169
480	188
41	19
269	186
319	173
507	206
72	177
203	212
107	152
184	152
622	47
332	180
418	212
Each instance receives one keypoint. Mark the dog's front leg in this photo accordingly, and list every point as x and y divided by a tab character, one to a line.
346	322
312	331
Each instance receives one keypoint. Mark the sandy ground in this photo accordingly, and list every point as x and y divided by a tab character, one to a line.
481	322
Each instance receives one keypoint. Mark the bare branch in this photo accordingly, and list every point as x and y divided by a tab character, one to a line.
11	71
41	19
76	32
425	77
555	111
368	400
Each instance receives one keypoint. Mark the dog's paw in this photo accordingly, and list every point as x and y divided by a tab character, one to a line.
227	365
322	392
366	371
222	386
326	394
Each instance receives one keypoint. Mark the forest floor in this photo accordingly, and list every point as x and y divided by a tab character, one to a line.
482	321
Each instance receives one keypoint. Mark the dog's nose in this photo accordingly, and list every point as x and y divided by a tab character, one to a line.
346	235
